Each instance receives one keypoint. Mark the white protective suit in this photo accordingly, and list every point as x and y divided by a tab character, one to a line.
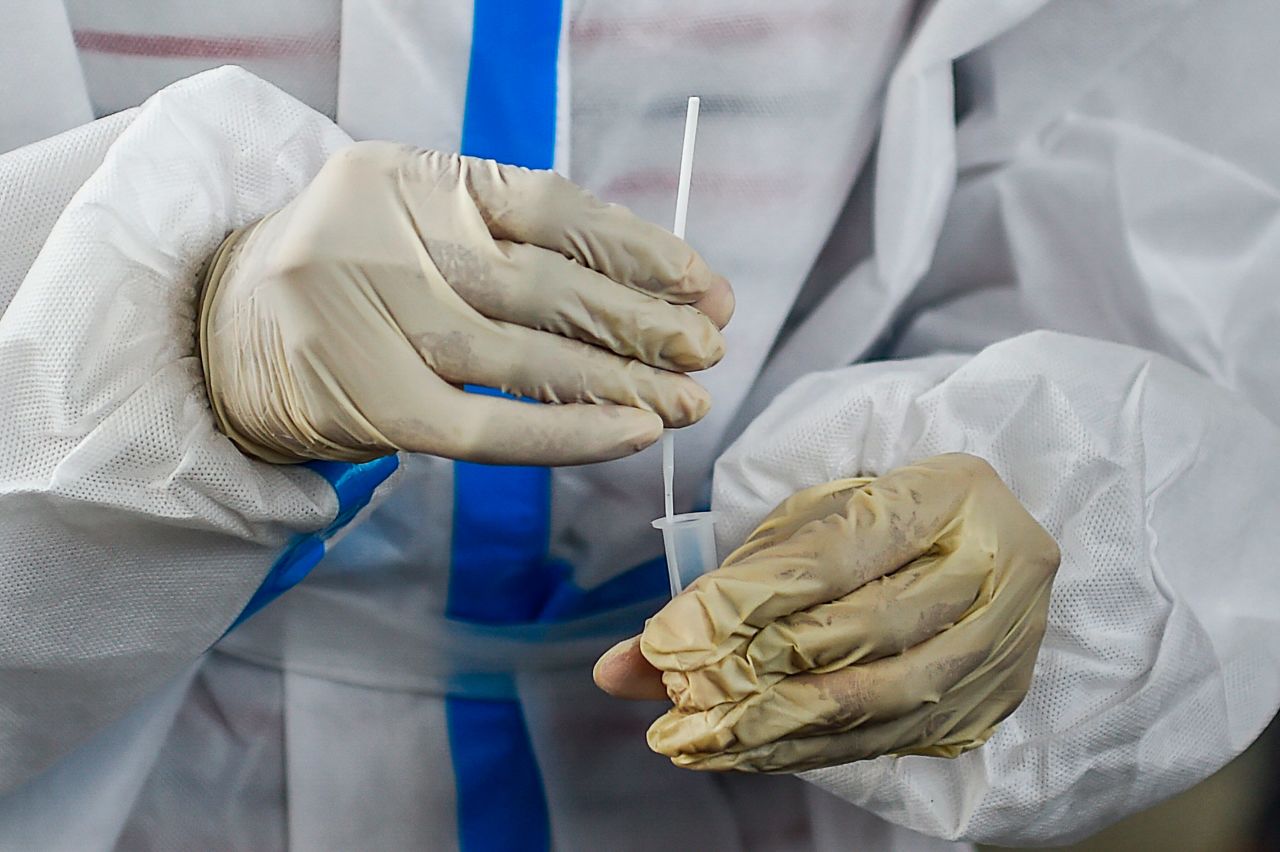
878	180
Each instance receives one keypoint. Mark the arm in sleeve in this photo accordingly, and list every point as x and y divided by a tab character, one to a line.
132	533
36	183
1162	656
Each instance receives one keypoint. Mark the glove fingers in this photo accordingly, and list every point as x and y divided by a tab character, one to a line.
799	753
939	698
882	526
807	704
963	720
796	752
546	210
883	618
494	430
970	567
554	369
929	730
332	411
844	699
895	686
403	411
547	291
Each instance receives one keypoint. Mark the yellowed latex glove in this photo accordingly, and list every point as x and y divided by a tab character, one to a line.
344	325
900	615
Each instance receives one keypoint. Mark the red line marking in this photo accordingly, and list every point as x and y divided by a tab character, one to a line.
234	47
707	184
723	29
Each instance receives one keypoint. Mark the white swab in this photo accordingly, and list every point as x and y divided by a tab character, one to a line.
682	216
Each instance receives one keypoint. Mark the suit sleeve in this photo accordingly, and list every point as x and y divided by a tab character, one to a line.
133	533
1162	657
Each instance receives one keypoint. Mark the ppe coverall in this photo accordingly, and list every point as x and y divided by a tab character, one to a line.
1042	232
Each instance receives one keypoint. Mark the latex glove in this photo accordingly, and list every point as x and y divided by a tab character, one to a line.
900	615
343	325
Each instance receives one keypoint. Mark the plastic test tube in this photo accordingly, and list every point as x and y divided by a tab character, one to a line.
690	541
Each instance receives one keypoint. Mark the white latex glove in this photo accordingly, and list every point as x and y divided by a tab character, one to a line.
344	325
898	615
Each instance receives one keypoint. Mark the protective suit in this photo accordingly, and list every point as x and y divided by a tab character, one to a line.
918	188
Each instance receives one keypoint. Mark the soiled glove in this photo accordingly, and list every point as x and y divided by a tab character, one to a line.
900	615
344	325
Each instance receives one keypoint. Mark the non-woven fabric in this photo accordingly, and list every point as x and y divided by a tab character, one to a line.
134	532
1161	660
38	182
1107	202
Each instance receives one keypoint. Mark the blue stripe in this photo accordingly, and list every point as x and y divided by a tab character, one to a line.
353	485
645	582
511	85
500	573
501	526
501	805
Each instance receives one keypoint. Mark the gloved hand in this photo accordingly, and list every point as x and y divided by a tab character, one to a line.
343	325
899	615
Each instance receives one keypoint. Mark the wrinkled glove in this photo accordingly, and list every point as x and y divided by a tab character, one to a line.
344	325
899	615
